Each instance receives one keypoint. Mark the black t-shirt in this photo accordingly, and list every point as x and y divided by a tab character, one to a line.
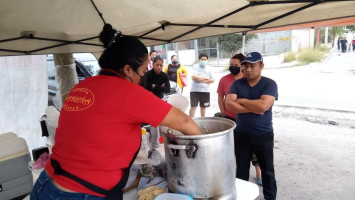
151	78
172	72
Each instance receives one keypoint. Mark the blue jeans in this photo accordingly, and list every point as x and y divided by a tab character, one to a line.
46	190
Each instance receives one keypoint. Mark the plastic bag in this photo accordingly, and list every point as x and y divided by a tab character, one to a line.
183	79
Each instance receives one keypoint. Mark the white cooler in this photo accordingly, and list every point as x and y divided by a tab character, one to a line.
15	177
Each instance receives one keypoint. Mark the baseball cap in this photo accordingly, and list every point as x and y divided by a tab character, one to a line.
252	57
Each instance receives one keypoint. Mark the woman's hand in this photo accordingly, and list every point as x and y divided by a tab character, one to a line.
178	120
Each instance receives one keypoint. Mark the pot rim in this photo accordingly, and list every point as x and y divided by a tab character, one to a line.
204	136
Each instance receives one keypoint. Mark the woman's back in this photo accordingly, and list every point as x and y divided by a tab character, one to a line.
99	129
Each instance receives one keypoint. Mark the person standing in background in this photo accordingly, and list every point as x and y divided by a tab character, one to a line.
226	81
201	80
223	89
175	70
252	98
156	82
152	55
344	44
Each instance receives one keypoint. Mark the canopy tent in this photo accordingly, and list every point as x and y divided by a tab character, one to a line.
66	26
318	24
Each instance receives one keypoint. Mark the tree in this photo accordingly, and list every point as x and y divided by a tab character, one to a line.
335	31
351	28
231	43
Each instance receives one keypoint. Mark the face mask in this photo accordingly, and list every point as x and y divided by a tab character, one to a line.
140	80
203	63
175	62
234	70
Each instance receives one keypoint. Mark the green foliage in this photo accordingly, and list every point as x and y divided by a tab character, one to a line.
323	48
231	43
309	55
330	36
351	28
290	56
334	32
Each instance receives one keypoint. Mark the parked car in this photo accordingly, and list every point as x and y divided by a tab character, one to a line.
86	66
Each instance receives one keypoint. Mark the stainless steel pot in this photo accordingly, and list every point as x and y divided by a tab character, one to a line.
202	166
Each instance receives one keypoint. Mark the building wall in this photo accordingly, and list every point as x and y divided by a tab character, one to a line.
270	43
300	39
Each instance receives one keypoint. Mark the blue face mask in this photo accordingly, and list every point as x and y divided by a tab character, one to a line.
203	63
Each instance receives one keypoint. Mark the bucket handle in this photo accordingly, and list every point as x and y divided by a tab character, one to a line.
190	149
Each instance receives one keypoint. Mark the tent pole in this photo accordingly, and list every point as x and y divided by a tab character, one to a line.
66	75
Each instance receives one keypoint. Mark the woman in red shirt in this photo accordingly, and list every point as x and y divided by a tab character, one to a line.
99	134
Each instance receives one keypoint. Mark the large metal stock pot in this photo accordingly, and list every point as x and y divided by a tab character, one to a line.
202	166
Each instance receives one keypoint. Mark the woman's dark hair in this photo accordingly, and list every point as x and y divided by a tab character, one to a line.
121	50
153	51
173	57
157	58
202	55
238	56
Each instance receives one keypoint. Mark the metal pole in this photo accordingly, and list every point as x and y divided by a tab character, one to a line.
177	49
217	54
243	43
326	36
196	49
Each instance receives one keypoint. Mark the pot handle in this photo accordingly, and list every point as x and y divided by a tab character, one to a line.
190	149
174	146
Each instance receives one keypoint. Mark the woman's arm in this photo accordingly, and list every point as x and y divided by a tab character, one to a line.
147	82
166	85
178	120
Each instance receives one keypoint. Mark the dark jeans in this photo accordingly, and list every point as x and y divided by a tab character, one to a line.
263	146
44	189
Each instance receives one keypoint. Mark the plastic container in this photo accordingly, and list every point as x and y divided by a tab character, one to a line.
172	196
145	142
178	101
155	161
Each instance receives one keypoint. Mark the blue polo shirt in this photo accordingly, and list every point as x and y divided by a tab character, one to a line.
251	123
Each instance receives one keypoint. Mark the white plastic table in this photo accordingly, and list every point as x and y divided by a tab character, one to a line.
245	191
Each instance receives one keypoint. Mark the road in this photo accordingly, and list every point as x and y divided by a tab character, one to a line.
328	84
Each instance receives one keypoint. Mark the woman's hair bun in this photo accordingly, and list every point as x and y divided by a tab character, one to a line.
107	34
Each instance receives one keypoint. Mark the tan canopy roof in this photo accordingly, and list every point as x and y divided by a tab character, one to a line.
64	26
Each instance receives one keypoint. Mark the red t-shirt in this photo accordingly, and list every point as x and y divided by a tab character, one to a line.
99	130
223	88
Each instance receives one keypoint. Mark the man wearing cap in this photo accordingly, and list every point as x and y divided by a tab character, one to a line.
252	98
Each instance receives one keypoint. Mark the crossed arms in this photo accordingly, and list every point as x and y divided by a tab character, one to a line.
241	105
202	79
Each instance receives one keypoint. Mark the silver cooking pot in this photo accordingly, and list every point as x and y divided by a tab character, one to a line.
202	166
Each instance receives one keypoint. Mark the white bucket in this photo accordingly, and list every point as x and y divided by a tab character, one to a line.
178	101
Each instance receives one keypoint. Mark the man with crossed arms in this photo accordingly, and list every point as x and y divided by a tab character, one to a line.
252	98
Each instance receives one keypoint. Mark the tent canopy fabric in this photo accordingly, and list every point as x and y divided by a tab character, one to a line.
67	26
